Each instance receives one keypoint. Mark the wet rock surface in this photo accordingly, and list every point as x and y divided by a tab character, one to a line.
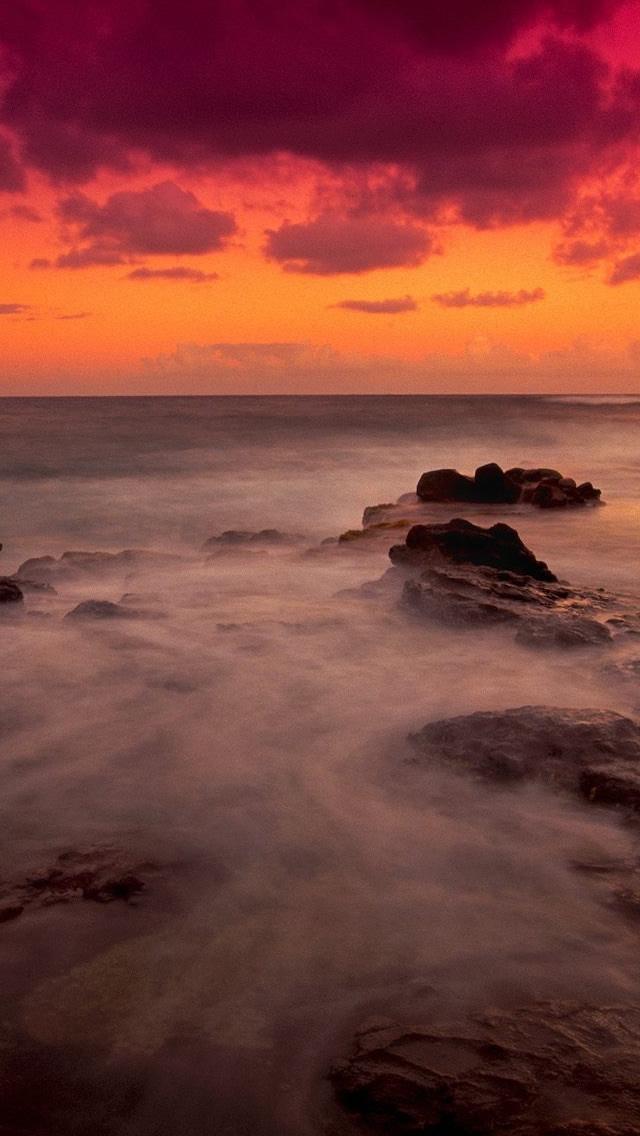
464	575
593	753
461	542
546	488
546	1069
101	875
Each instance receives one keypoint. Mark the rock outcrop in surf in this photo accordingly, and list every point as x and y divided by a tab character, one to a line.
554	1068
491	485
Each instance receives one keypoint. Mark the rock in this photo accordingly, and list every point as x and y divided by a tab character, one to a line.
10	593
491	485
374	529
594	753
239	538
75	566
100	609
34	586
98	874
560	1068
564	631
445	485
462	542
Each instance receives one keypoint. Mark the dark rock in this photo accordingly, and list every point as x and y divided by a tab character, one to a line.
11	911
491	485
462	542
595	753
445	485
547	1069
10	593
564	631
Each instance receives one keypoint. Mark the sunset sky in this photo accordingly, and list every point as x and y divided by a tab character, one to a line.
265	196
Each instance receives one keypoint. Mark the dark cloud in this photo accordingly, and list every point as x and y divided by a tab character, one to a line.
331	244
379	307
626	269
179	272
581	253
40	262
93	256
13	309
433	88
465	299
465	25
24	213
73	316
12	179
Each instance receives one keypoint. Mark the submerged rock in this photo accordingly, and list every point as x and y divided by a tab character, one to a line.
101	875
462	542
100	609
491	485
594	753
233	539
546	1069
75	566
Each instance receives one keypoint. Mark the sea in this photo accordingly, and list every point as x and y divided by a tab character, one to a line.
240	743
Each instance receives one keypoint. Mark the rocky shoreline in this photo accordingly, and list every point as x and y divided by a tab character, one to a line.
561	1067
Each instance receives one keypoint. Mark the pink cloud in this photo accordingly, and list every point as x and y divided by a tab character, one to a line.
179	272
379	307
465	299
331	244
162	219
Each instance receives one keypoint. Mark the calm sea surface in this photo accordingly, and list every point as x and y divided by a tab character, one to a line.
248	739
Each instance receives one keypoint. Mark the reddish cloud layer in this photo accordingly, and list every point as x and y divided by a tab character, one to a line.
331	245
180	272
432	88
379	307
489	299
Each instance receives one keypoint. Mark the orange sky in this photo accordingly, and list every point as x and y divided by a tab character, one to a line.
503	256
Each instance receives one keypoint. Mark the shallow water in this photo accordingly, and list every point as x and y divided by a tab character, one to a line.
249	737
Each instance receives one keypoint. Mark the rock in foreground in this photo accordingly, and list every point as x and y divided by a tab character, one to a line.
594	753
547	1069
491	485
461	542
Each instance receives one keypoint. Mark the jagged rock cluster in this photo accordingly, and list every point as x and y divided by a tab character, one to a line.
464	575
491	485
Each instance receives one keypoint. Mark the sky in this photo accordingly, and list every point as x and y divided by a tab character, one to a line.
319	196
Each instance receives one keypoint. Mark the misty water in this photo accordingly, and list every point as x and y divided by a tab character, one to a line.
246	735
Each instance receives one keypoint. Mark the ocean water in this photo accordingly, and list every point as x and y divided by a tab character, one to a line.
248	737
